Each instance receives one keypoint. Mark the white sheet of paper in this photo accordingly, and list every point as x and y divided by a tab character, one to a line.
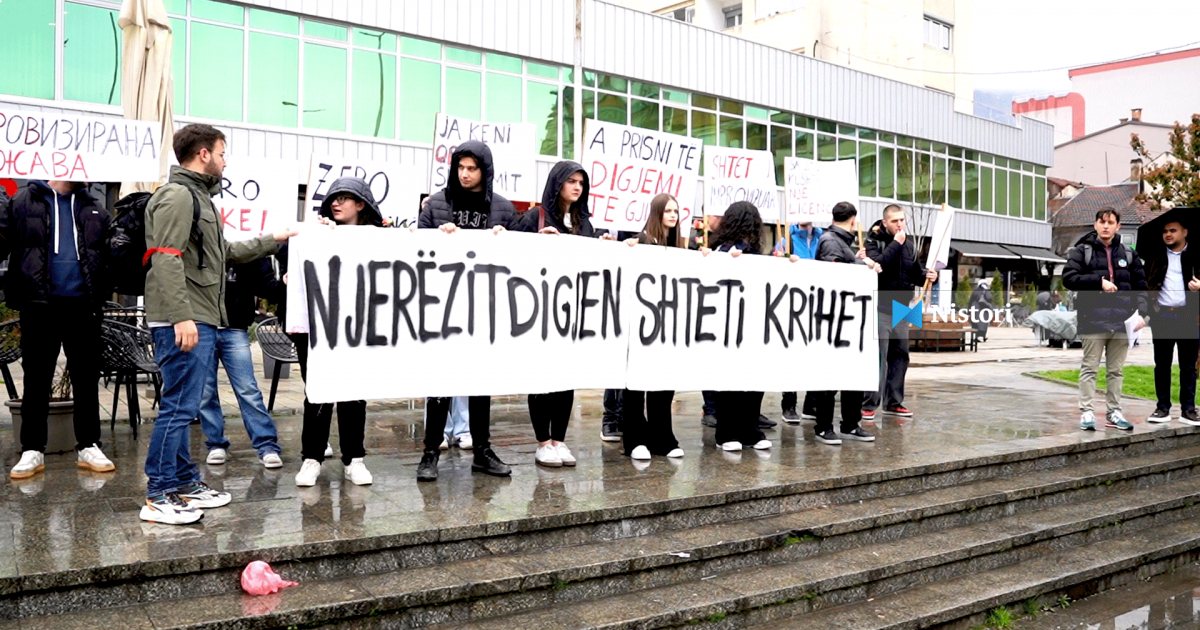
1131	328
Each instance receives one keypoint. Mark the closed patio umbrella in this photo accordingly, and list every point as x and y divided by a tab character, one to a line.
147	88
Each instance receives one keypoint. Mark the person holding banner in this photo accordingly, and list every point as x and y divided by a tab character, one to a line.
887	244
467	203
646	416
805	237
349	202
564	210
837	245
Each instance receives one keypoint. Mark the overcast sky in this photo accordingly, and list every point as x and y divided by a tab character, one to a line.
1012	35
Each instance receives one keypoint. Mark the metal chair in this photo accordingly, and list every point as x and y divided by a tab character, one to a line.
10	352
277	345
128	351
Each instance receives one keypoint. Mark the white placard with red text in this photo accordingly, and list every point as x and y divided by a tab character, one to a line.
627	166
397	187
45	145
740	175
515	172
257	197
812	188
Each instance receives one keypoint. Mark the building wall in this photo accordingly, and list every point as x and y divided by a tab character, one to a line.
1061	112
1166	91
1103	158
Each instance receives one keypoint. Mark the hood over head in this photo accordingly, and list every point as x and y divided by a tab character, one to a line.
558	176
359	188
483	157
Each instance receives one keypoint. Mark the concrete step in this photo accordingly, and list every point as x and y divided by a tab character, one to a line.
841	551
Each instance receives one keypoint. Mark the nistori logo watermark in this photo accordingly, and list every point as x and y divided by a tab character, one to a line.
945	314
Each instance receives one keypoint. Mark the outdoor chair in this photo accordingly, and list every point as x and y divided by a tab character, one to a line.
279	347
127	352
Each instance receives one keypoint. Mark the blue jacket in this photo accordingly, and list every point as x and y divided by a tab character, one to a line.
803	248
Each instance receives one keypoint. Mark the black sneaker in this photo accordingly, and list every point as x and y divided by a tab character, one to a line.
709	420
610	431
858	435
487	462
427	469
790	416
828	437
1190	417
1160	415
765	422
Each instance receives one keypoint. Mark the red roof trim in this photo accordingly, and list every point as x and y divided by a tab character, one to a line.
1074	100
1133	63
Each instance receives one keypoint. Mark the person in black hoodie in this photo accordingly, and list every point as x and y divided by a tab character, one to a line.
564	210
54	235
1111	285
349	202
243	282
888	244
467	203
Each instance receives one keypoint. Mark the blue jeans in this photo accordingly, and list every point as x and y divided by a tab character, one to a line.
459	418
168	465
233	350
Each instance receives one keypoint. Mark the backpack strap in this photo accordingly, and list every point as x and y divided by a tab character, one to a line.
195	235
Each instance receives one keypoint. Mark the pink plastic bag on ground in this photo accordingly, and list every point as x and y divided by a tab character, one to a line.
259	579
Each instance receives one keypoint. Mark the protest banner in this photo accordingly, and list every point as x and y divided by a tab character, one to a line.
394	314
515	176
397	187
44	145
257	197
627	166
812	188
740	175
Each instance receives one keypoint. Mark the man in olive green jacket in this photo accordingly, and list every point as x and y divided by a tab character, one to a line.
185	305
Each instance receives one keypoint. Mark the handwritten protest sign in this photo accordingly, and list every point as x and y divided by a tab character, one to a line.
397	187
812	188
740	175
628	166
257	197
393	314
43	145
515	176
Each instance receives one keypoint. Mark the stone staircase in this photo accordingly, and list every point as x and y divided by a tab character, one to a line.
910	547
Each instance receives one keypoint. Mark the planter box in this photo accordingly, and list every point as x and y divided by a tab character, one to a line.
60	429
269	369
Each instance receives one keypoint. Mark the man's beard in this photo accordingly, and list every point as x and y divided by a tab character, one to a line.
212	169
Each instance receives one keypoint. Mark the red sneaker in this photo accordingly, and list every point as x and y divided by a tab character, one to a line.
868	414
898	410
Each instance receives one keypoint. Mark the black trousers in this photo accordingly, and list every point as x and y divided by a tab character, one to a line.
646	421
737	417
851	410
72	325
893	362
612	405
479	417
351	414
550	414
710	402
1172	331
789	402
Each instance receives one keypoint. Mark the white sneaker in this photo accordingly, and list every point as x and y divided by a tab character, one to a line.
272	460
465	442
640	452
564	454
32	463
762	445
170	509
640	464
441	447
200	495
328	450
676	453
216	457
93	459
730	446
309	471
548	456
357	472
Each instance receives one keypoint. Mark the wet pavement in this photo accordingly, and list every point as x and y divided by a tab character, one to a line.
1167	602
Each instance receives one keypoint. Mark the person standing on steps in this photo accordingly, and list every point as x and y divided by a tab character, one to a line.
467	203
805	238
1172	276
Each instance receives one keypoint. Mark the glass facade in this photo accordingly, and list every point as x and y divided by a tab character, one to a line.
281	70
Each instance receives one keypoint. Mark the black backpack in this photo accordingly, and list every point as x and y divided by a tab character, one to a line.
127	242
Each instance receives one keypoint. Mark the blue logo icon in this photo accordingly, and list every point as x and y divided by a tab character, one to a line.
910	314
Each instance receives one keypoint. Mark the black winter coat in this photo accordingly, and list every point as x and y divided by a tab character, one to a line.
440	208
837	245
901	269
26	235
530	221
1156	275
1099	311
244	283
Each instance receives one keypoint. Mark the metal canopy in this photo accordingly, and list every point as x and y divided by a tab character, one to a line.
982	250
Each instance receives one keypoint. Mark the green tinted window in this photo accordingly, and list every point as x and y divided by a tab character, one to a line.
91	55
806	122
612	108
905	173
782	118
589	78
731	107
731	132
589	104
904	141
826	148
567	114
613	84
1014	195
887	172
923	182
846	149
464	93
938	189
373	97
889	138
985	189
324	87
756	112
1027	203
541	109
375	40
503	98
179	51
644	114
215	89
781	148
325	31
756	136
704	126
675	121
272	21
644	89
1000	187
218	12
504	63
956	152
274	80
866	134
27	48
675	96
954	184
1041	193
971	186
866	169
463	56
174	7
541	70
924	145
828	126
939	147
420	48
805	145
420	98
705	102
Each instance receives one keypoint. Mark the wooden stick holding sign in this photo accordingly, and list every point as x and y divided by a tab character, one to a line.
939	246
